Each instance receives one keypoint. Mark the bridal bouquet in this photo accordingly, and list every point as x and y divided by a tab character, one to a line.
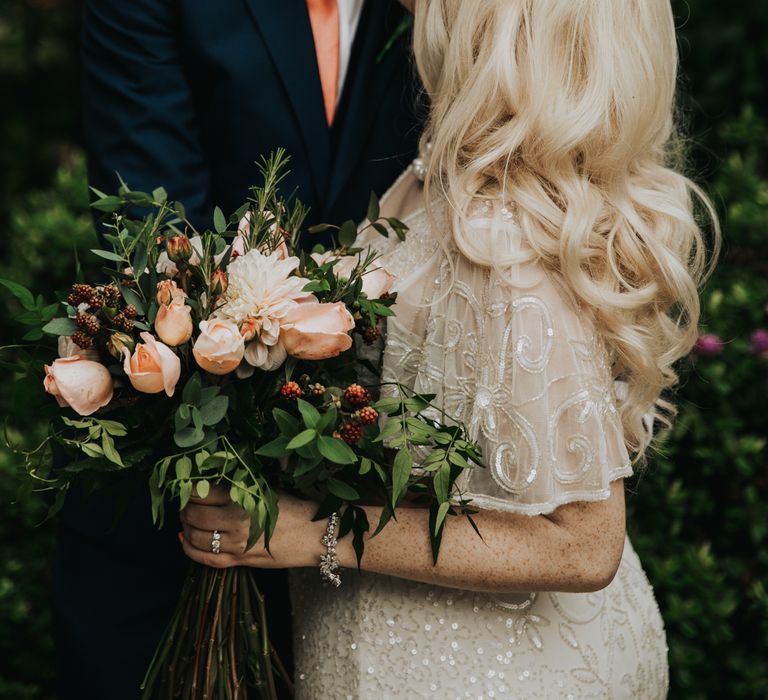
234	357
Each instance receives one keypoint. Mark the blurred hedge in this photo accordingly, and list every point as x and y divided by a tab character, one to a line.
698	517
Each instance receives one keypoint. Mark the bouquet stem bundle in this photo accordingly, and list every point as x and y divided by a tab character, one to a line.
217	644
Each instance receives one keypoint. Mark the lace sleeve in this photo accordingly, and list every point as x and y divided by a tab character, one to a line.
514	357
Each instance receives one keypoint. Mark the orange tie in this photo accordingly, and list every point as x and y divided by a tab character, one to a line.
324	18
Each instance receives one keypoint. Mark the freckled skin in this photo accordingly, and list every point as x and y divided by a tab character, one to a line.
577	548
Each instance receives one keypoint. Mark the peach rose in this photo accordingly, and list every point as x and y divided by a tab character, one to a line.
313	331
219	348
153	367
377	282
173	324
83	385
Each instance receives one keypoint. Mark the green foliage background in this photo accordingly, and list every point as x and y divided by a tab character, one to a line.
698	517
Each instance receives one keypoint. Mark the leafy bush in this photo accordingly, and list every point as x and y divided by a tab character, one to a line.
699	519
46	227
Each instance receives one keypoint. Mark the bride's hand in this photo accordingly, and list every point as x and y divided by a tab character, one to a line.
295	542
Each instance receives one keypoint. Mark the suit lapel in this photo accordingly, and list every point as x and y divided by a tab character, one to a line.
366	79
287	33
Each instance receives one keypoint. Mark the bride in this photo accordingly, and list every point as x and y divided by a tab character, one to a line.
546	289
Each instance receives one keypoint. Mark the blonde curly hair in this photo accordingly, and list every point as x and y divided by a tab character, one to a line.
566	109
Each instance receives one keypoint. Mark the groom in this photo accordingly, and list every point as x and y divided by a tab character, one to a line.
187	94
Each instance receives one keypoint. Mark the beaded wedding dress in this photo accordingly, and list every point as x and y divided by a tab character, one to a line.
517	361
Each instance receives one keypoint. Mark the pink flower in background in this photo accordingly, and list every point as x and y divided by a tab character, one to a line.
83	385
708	345
760	342
153	367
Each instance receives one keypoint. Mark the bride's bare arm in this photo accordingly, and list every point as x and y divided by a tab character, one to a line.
576	548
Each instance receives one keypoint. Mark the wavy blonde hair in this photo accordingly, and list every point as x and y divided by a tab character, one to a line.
566	109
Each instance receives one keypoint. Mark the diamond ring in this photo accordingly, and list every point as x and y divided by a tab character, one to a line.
216	542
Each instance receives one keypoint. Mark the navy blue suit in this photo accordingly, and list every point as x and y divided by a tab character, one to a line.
187	94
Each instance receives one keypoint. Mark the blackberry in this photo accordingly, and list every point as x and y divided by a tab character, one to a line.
82	340
97	301
80	294
88	323
351	433
121	323
371	334
130	312
316	389
111	294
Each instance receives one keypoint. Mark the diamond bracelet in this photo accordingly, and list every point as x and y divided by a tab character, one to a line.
329	562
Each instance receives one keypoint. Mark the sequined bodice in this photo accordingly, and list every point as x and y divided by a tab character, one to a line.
511	354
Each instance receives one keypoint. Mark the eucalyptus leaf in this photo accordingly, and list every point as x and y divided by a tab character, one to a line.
215	410
60	326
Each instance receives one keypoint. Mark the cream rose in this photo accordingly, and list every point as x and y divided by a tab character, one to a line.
83	385
173	324
153	367
312	331
219	348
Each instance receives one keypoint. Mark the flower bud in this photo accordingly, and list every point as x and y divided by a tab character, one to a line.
219	282
708	345
179	248
760	342
169	293
118	342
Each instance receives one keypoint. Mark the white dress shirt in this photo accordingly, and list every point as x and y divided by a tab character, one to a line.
349	18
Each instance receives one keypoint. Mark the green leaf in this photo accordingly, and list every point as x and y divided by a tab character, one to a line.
60	326
328	419
287	423
160	195
92	449
185	491
215	410
309	413
188	437
108	255
365	466
107	204
303	438
442	482
21	293
381	229
388	406
320	228
442	511
348	233
219	220
203	488
192	390
183	468
108	445
373	207
401	473
277	448
114	428
335	450
342	490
